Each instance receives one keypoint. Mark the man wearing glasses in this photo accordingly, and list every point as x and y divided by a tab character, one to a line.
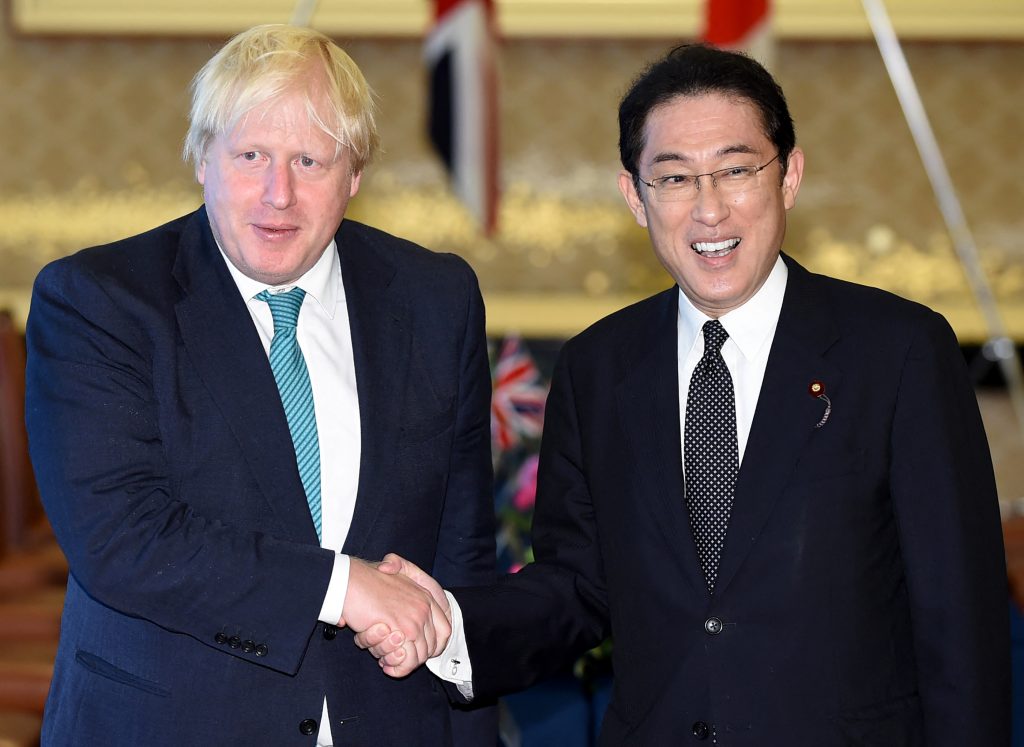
772	488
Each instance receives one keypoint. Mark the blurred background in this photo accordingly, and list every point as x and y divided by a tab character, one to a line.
93	102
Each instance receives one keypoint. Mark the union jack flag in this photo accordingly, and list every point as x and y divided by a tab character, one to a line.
461	52
517	402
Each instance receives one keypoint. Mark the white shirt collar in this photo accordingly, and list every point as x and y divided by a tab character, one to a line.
751	326
322	282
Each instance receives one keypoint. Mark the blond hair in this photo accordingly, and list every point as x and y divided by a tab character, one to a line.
265	62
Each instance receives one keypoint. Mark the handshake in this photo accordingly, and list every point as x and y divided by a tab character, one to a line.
398	612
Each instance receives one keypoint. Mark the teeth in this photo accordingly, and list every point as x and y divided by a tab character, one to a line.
717	248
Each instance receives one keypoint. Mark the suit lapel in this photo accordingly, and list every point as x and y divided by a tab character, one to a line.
225	349
381	342
785	415
648	403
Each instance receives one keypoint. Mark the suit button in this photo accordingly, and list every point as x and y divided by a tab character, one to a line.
701	730
330	632
221	638
713	626
234	641
307	726
248	646
261	649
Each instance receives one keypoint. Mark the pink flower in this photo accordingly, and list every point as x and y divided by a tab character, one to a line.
526	493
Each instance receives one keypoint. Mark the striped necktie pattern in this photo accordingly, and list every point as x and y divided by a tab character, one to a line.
292	377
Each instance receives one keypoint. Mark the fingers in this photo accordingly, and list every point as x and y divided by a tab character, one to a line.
404	664
394	600
381	643
376	635
440	611
393	564
398	612
425	644
396	656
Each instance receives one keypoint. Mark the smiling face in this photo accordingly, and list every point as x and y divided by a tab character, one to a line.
718	247
276	188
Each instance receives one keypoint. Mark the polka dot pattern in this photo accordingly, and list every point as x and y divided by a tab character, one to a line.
711	451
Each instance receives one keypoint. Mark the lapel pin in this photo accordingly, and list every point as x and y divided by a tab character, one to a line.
817	390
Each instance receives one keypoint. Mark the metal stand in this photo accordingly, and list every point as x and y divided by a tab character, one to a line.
999	348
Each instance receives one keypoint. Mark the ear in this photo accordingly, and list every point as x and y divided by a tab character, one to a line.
794	174
633	200
354	187
201	172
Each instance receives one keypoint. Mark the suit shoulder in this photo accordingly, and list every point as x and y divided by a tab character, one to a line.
866	307
124	288
403	253
135	257
883	324
622	326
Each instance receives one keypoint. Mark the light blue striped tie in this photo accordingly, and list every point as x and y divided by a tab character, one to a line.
292	379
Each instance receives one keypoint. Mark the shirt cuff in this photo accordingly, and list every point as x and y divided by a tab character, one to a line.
334	600
452	664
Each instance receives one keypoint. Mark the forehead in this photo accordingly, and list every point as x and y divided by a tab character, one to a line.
698	127
288	118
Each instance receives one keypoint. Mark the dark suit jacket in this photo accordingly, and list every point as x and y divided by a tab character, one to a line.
166	468
862	588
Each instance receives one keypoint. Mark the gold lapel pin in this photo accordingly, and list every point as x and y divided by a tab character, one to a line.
817	390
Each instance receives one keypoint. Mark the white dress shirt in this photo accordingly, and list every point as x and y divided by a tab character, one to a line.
751	330
324	334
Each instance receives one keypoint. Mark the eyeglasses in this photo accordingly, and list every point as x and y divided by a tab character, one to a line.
679	187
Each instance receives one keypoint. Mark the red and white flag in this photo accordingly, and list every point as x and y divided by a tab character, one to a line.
740	24
460	53
518	397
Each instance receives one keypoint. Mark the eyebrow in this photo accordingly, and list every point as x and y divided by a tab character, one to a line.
249	146
726	151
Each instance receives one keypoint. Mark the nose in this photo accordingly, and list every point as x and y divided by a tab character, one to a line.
708	206
278	189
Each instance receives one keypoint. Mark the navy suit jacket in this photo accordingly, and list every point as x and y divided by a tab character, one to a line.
861	597
167	471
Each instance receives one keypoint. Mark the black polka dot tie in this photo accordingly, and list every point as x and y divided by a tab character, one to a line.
711	451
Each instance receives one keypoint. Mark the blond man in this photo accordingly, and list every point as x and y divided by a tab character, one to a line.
227	412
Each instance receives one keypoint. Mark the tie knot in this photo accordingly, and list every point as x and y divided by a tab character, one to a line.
714	336
284	307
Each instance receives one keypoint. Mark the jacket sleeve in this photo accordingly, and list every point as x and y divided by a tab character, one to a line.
466	545
534	623
944	497
133	541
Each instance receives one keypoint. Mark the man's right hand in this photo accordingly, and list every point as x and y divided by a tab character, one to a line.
388	606
399	658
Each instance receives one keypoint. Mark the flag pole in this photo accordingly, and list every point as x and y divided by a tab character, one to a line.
302	15
999	347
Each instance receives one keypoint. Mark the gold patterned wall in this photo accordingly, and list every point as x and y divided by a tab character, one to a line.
92	127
